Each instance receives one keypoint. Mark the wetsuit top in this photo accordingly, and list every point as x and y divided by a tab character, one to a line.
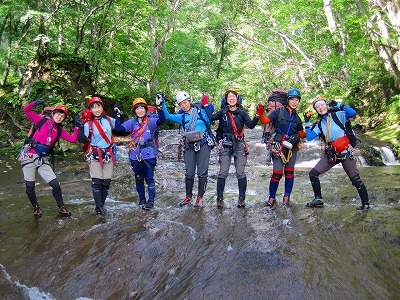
47	134
96	139
177	118
335	131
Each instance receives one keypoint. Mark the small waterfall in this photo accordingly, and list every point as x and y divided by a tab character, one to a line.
387	155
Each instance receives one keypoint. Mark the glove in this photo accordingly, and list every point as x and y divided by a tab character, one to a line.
307	116
204	100
78	122
260	109
39	101
160	98
117	109
334	104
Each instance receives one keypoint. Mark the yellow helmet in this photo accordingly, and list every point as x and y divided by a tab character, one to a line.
235	91
318	98
139	101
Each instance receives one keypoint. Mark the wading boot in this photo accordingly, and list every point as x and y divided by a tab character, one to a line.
199	200
241	203
37	212
149	205
286	201
220	203
185	201
315	203
62	210
270	203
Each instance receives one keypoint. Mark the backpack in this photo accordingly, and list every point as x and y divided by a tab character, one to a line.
39	125
347	128
277	99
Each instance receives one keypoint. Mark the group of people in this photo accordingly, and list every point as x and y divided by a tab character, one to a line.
96	131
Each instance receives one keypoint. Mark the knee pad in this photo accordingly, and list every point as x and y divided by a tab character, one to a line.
313	173
29	187
139	179
289	172
97	183
54	184
106	184
276	175
356	181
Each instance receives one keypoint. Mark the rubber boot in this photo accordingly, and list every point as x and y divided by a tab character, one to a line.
97	200
140	189
220	188
363	193
202	186
242	185
189	183
104	190
315	183
30	192
56	191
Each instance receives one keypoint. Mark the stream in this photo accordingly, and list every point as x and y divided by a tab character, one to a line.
334	252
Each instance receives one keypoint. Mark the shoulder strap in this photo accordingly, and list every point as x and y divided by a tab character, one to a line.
337	121
38	125
59	131
102	133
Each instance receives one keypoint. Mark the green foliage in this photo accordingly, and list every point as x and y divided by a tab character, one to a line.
82	49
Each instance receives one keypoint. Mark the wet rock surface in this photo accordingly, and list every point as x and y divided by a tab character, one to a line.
170	252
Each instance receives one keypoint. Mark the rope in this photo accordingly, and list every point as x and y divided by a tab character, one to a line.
285	160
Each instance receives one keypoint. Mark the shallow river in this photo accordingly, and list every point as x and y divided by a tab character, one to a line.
170	252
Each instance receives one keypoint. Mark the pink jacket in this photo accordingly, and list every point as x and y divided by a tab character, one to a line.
48	132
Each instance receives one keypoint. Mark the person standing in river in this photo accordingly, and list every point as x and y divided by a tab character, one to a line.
337	148
284	145
232	144
143	149
100	154
195	143
34	155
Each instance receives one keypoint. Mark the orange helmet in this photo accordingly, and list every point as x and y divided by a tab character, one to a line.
318	98
235	91
94	100
139	101
86	115
61	108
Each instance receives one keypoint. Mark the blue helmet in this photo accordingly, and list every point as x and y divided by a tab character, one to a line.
294	93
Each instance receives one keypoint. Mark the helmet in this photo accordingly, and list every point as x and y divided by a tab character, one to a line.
318	98
139	101
61	108
182	95
294	93
235	91
94	100
86	115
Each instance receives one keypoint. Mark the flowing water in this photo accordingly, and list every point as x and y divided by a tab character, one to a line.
170	252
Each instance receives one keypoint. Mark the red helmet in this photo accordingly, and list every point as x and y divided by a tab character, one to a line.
61	108
94	100
86	115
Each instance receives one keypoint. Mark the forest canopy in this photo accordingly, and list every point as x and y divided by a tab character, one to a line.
66	51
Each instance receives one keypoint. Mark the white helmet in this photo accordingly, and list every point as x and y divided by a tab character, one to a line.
182	95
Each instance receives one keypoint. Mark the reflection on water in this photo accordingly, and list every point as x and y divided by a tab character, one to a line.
202	253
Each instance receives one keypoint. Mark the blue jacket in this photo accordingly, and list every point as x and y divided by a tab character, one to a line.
177	118
335	131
